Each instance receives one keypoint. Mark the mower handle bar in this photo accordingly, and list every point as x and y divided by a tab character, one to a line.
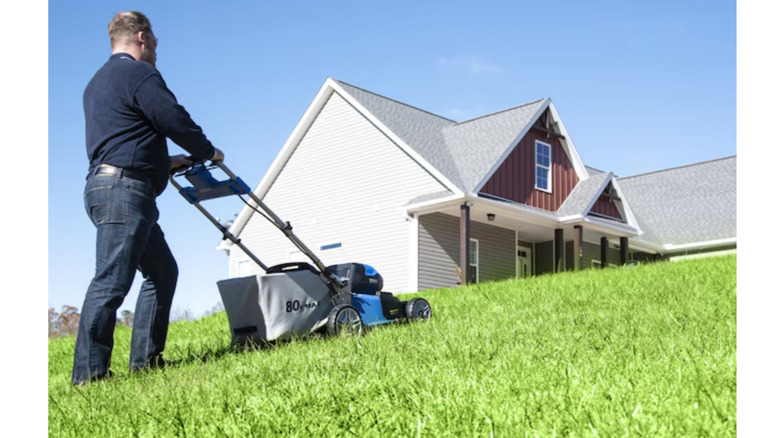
334	282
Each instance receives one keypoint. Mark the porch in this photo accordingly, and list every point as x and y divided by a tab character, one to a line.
483	240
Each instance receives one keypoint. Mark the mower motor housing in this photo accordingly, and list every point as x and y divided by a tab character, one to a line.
362	278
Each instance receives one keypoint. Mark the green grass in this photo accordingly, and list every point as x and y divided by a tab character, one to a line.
634	351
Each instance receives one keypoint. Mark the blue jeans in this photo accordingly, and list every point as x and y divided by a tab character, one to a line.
125	214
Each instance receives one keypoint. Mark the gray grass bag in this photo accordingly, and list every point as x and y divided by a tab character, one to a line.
275	306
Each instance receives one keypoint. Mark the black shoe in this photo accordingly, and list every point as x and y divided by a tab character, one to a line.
108	375
158	362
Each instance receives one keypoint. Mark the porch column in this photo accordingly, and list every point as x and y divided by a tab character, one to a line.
558	251
623	250
465	236
604	252
577	247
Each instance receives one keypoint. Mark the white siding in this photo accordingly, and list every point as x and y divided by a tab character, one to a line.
345	183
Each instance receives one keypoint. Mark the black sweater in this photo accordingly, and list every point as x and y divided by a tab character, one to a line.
129	112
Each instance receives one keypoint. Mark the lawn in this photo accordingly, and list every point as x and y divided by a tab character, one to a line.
632	351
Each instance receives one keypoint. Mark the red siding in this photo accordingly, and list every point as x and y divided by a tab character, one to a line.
514	179
606	207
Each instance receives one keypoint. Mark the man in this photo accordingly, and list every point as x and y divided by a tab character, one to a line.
129	112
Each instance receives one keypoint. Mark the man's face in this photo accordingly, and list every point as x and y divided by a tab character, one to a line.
149	53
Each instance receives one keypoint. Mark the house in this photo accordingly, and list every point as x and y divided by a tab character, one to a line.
430	202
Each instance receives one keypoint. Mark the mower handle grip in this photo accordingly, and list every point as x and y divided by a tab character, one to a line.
176	171
291	266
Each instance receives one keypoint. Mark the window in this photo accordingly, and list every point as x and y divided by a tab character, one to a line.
243	268
543	154
328	246
474	260
333	246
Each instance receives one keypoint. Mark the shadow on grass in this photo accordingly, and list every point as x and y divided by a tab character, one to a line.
243	346
214	350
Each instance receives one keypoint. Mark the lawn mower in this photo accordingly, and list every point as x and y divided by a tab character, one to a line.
298	298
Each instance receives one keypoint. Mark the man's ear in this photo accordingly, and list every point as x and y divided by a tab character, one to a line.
139	37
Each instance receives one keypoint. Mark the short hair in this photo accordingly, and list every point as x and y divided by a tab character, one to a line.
125	25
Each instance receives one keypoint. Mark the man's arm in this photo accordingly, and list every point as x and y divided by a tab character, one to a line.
170	119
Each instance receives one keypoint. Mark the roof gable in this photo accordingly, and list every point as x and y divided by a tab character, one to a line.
415	125
583	198
416	131
609	204
584	195
467	153
419	129
479	146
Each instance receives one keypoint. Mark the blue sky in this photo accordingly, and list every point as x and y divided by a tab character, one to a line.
640	86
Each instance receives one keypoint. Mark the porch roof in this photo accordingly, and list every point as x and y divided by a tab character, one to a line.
533	224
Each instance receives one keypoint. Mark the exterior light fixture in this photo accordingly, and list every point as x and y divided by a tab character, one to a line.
491	217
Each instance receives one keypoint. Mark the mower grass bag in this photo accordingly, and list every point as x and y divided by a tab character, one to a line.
275	306
293	299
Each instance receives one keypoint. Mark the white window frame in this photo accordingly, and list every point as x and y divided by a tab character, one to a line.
243	268
472	261
538	165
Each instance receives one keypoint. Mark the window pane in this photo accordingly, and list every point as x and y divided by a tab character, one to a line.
544	159
541	178
542	155
473	259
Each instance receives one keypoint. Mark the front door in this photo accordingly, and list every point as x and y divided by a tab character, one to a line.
523	262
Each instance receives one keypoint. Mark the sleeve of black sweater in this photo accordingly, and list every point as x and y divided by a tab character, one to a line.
170	119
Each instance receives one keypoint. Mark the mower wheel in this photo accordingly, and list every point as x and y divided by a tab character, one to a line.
343	321
418	308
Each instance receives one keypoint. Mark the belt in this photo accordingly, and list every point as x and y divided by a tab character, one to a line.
108	169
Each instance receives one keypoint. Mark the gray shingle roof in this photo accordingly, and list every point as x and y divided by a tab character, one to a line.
429	197
695	203
593	171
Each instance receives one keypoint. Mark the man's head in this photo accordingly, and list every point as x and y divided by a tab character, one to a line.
131	32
